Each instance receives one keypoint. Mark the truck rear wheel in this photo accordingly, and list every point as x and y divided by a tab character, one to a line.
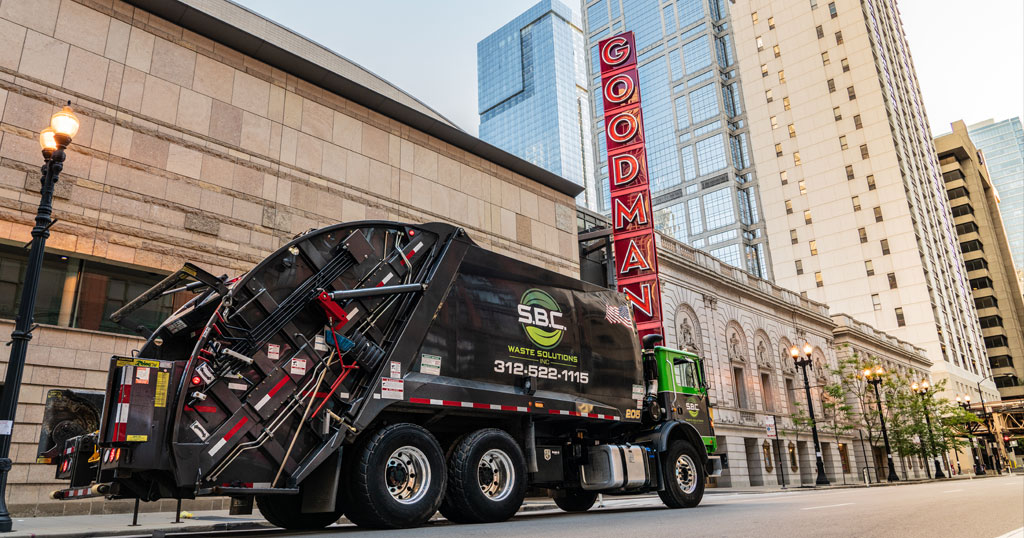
285	511
684	476
575	500
397	479
486	478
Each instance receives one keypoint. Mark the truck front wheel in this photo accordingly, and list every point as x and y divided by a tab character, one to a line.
486	478
397	479
683	475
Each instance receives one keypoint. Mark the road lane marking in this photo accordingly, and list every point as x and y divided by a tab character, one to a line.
1013	534
952	490
828	506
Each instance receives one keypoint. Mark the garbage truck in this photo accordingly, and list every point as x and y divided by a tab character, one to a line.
385	371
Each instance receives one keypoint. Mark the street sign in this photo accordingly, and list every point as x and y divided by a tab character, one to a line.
769	427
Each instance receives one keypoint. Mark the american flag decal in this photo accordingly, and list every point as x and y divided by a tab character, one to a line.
618	314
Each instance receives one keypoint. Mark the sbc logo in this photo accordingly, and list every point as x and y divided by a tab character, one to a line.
541	318
692	407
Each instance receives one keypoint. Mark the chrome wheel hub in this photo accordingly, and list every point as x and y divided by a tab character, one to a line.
496	475
407	475
686	474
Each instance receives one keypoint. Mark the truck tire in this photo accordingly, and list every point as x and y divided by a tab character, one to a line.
684	476
397	478
575	500
486	478
285	511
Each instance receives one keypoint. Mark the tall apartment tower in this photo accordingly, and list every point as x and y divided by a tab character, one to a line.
980	229
1002	145
703	184
533	101
855	205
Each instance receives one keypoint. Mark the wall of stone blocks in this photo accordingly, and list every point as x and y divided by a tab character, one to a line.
191	151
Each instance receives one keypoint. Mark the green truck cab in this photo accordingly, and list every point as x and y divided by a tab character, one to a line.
683	392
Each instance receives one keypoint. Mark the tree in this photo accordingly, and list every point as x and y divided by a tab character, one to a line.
837	413
801	424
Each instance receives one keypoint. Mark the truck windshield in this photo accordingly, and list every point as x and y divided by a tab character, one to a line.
686	375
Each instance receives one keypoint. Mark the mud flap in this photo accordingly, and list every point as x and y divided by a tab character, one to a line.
320	491
714	466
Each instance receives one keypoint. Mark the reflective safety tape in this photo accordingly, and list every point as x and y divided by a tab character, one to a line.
265	399
471	405
584	415
121	407
227	437
387	278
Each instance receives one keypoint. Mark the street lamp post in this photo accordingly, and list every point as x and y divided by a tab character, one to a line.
803	363
965	402
874	377
53	140
922	390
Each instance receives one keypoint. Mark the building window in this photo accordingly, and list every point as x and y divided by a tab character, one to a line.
768	95
844	457
764	70
836	113
799	267
791	394
846	65
878	214
813	245
789	207
989	322
778	150
839	38
803	186
863	233
820	31
792	131
793	237
892	281
871	182
785	103
807	216
796	158
824	58
876	301
832	10
771	23
864	151
849	172
869	268
885	247
767	393
85	294
740	387
851	93
782	76
856	203
831	85
760	43
856	122
900	320
817	279
775	122
776	50
753	17
784	176
842	142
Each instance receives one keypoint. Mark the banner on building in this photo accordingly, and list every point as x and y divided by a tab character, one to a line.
636	260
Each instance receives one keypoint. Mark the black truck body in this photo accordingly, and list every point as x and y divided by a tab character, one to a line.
288	382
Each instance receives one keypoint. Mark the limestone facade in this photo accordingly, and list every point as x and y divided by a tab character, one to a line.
191	151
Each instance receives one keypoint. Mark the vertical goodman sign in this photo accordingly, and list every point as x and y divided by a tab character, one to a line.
636	263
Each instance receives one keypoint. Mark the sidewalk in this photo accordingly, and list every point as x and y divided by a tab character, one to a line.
86	526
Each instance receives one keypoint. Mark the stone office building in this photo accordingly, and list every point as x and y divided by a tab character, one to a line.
213	139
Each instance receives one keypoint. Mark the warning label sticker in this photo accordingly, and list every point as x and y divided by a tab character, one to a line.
392	389
160	397
430	364
320	343
298	367
142	376
638	392
396	369
273	352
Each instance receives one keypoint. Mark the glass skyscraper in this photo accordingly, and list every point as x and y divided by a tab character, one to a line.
532	82
1002	144
702	179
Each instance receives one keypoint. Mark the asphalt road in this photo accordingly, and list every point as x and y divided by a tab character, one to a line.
985	508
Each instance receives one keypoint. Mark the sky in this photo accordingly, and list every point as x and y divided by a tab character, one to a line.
969	56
